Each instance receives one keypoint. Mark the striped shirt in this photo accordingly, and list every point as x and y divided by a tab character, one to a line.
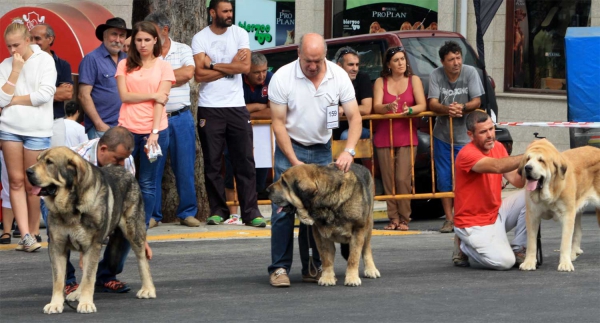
179	55
89	149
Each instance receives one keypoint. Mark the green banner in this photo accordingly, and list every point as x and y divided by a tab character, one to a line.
427	4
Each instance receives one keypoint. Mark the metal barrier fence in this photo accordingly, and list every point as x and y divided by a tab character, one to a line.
364	150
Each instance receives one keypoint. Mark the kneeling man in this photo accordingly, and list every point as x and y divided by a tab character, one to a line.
482	218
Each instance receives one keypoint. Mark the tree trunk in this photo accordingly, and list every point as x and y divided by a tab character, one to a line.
187	18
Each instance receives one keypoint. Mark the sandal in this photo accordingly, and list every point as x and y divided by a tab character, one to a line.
402	226
391	226
5	240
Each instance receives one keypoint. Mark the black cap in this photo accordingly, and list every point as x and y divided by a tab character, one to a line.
112	23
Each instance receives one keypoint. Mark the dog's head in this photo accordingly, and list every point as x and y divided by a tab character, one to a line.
295	190
540	164
56	169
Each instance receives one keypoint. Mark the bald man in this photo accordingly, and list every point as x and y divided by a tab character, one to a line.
303	135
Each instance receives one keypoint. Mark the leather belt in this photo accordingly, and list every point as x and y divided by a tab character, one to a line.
178	112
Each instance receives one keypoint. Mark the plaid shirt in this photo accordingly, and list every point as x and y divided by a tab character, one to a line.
89	149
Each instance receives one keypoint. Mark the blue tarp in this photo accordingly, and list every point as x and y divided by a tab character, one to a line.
582	50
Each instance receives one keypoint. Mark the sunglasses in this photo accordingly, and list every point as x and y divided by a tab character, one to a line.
347	51
393	51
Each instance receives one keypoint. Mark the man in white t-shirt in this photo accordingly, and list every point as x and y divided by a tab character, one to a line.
222	54
301	96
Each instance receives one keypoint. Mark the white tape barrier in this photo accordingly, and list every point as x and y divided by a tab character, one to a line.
553	124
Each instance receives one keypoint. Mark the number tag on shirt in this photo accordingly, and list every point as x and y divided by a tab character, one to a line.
333	120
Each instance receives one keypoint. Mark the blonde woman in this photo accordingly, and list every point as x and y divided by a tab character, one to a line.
27	87
397	91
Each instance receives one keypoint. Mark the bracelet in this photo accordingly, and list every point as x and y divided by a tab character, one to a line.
410	111
10	83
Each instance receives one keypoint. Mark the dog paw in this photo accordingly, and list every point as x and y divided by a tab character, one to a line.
566	266
352	281
53	308
372	273
74	296
86	307
327	280
528	265
146	293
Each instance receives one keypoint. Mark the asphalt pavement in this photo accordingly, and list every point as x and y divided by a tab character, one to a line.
219	274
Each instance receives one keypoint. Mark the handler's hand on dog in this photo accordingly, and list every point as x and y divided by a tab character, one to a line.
344	161
148	251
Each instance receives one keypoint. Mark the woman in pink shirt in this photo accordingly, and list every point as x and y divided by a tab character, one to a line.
397	91
144	82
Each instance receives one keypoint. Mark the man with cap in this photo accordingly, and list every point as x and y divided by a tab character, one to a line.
98	92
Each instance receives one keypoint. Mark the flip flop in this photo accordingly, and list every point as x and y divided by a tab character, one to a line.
392	226
4	240
402	226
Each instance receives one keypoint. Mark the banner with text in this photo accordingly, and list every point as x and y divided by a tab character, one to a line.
269	23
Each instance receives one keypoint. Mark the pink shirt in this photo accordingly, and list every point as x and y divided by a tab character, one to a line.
138	117
400	127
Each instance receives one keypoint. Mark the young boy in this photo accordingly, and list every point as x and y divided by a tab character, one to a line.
74	132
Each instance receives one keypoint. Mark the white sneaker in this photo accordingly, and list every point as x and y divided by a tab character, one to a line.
28	243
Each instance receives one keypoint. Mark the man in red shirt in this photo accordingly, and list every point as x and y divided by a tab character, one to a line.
482	218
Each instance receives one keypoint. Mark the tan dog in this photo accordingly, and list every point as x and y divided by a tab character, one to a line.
338	206
376	28
558	186
87	203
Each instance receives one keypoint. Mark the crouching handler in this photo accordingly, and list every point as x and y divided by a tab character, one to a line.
482	218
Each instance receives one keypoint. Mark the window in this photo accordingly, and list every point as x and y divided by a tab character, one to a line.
535	42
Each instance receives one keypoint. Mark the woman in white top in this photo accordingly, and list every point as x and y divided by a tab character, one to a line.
27	87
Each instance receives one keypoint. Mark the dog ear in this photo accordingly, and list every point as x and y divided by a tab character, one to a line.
305	189
560	166
77	166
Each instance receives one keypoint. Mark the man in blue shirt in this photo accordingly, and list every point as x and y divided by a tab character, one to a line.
43	35
98	92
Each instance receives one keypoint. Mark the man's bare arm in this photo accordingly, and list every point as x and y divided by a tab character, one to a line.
203	74
278	117
85	97
497	165
183	75
366	106
236	66
64	92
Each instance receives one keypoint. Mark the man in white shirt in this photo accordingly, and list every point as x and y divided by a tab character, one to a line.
302	94
181	131
222	54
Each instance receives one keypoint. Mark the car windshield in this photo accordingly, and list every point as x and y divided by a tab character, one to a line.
423	53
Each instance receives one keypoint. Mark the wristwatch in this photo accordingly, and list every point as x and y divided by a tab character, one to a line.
155	131
464	109
212	65
350	151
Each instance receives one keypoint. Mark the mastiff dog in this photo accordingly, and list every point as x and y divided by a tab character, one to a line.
338	206
87	203
558	186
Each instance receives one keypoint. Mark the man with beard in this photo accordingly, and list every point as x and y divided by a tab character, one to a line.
482	218
181	130
98	92
222	54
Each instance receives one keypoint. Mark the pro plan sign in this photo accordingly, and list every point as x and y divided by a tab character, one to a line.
369	17
74	24
269	23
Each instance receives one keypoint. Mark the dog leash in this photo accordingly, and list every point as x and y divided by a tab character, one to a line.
311	262
69	304
539	256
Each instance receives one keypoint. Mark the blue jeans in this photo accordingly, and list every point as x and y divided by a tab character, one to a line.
282	224
105	272
365	134
93	133
443	164
148	172
182	149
